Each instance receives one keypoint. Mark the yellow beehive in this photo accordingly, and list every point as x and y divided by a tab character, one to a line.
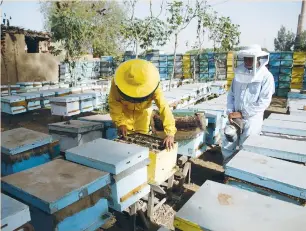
297	72
296	86
162	162
297	80
299	58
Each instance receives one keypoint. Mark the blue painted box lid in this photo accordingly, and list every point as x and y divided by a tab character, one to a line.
21	139
268	172
288	128
75	126
218	206
13	213
108	155
54	185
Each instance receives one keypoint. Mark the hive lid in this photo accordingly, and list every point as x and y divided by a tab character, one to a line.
97	118
75	126
21	139
65	99
107	155
12	98
54	185
83	96
218	206
279	175
13	213
30	95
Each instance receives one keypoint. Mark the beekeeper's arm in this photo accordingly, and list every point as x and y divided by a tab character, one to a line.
264	100
230	100
115	107
165	112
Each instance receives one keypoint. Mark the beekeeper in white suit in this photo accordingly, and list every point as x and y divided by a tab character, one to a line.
249	96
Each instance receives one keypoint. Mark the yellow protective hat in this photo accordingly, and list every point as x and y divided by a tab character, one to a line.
137	78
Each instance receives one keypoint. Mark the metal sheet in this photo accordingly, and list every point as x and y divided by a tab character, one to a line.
55	185
279	175
276	147
21	139
108	155
217	206
75	126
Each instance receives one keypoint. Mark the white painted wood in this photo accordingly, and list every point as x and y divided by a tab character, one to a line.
292	118
293	150
279	175
288	128
108	155
14	214
217	206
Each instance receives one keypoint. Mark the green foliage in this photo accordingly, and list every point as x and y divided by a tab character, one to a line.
284	40
302	42
85	25
224	34
148	32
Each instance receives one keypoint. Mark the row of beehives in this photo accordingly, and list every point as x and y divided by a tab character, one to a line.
34	100
265	186
74	194
81	140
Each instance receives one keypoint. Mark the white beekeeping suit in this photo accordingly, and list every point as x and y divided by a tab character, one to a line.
250	94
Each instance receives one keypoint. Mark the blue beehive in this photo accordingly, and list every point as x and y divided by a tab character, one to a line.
62	195
22	149
286	63
287	55
109	128
274	63
275	56
14	214
256	171
126	162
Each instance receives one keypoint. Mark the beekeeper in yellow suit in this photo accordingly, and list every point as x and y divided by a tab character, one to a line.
135	86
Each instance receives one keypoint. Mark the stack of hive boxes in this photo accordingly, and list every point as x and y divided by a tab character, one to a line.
187	66
286	61
211	66
220	61
229	69
178	71
202	67
304	78
274	67
107	66
163	67
299	59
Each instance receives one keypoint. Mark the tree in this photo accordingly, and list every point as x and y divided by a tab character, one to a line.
144	33
284	40
103	17
225	36
302	45
180	16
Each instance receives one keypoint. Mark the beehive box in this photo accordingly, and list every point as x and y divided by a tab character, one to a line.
276	178
126	162
13	104
25	85
32	99
45	96
65	106
75	132
162	161
14	214
292	118
60	92
292	150
290	129
22	149
86	101
109	128
217	206
62	195
99	98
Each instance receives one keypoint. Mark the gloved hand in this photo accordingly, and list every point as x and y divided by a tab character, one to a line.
234	115
122	130
169	142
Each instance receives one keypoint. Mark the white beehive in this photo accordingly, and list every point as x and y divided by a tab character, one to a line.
65	106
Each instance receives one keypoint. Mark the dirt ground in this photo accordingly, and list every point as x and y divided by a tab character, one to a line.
207	167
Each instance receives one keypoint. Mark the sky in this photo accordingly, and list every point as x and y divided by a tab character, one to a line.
259	20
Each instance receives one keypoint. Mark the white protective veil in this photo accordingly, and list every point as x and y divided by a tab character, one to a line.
245	75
